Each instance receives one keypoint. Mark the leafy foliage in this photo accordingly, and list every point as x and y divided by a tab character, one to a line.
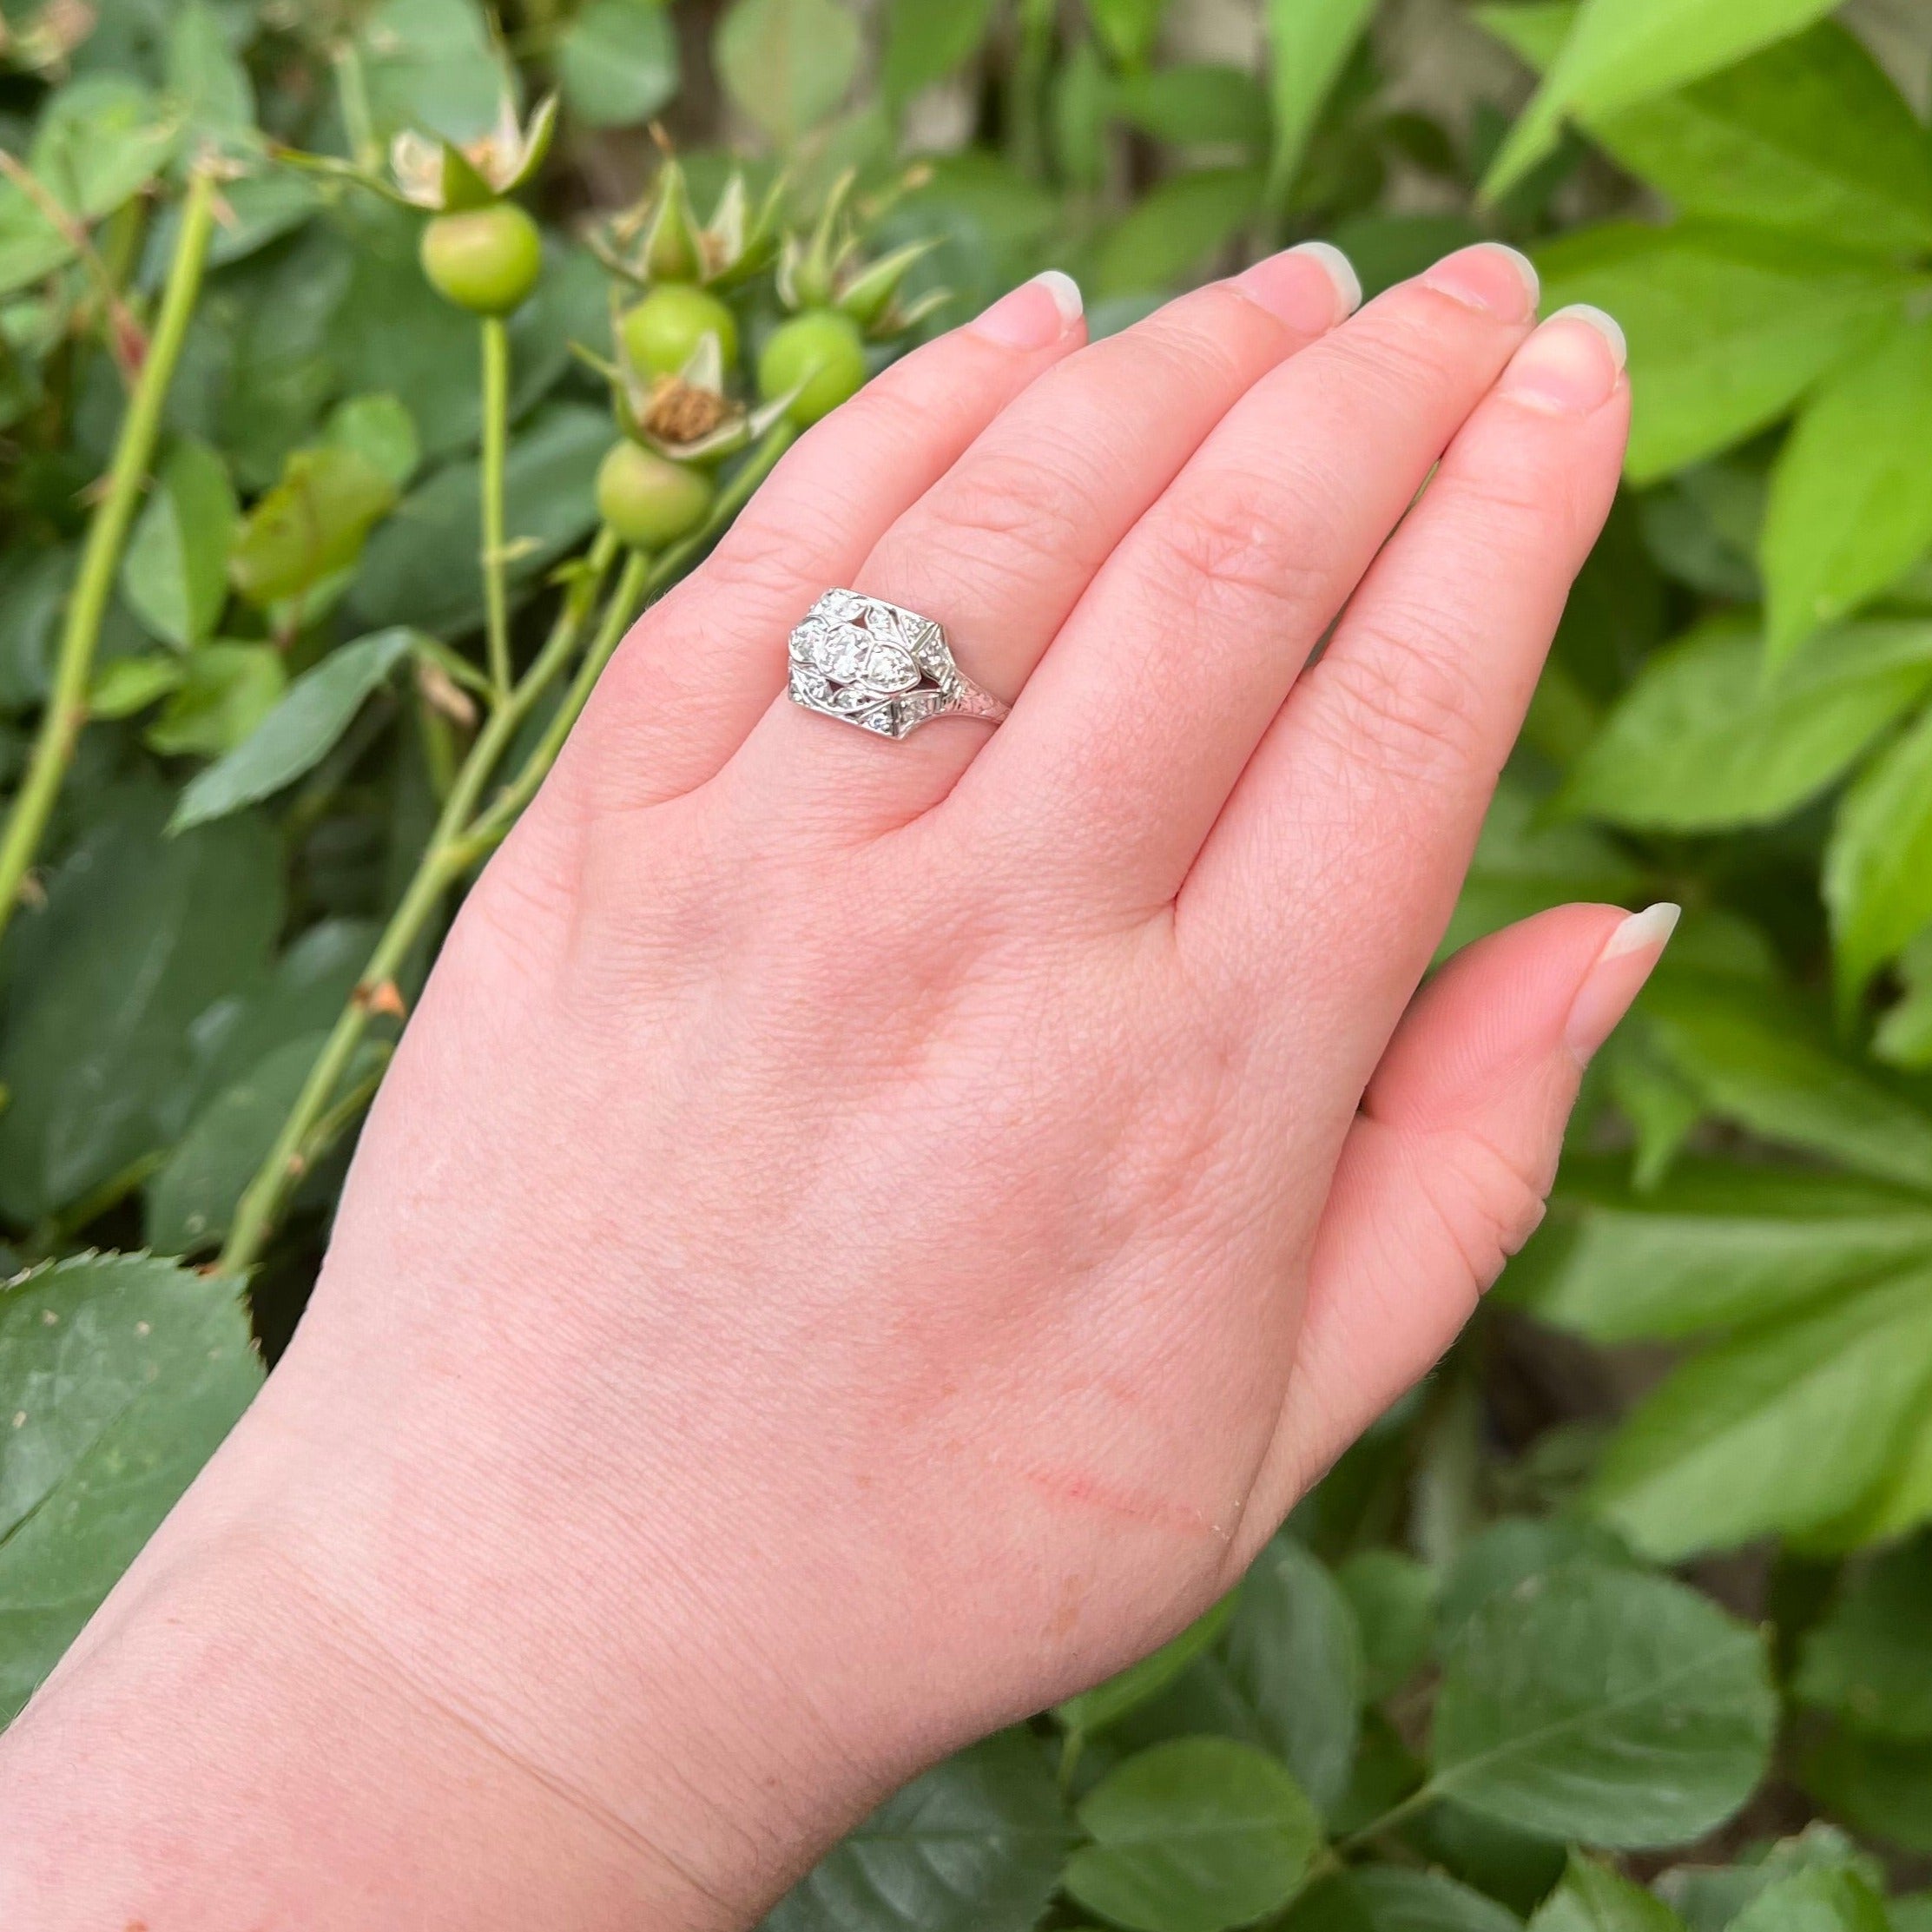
352	576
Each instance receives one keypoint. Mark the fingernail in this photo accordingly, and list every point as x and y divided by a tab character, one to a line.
1308	303
1628	957
1491	276
1035	315
1570	365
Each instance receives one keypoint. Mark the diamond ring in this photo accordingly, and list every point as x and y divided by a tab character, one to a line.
880	667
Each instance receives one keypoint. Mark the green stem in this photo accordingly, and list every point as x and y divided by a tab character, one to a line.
496	433
66	710
352	92
1418	1800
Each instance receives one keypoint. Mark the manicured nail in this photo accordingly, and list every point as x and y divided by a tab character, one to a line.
1570	365
1628	957
1308	303
1035	315
1491	276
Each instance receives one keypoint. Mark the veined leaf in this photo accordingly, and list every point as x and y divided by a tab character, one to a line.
1185	219
1710	1897
1757	1062
1194	104
1716	1246
1508	1554
1394	1599
1879	1787
1605	1705
1196	1836
298	733
1704	741
225	691
927	40
976	1845
1389	1898
1878	866
1851	500
616	62
120	1373
1779	1431
1619	52
1728	325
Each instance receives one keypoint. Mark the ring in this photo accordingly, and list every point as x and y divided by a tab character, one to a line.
882	667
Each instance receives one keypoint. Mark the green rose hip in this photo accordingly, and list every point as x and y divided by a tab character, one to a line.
821	350
485	260
662	332
648	499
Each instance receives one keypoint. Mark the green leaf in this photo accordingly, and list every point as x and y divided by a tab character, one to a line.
927	40
1710	1897
1727	325
1606	1705
311	524
226	691
1294	1655
1810	134
1781	1430
787	64
1394	1599
175	573
130	685
976	1845
1185	219
1592	1898
1820	1901
1716	1246
1878	1787
1865	1662
380	430
1757	1062
99	141
298	733
1623	52
1194	104
120	1374
1196	1835
206	83
1498	1560
1309	43
617	63
1387	1898
1119	1694
1851	501
192	1199
1703	741
1385	249
1877	877
139	935
420	567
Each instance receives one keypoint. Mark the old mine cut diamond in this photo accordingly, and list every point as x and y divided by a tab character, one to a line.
853	654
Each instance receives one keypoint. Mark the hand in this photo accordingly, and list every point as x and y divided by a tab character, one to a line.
863	1240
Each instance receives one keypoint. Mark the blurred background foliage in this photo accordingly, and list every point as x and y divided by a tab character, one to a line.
1623	1620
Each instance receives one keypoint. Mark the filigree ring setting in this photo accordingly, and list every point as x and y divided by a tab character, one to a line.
884	668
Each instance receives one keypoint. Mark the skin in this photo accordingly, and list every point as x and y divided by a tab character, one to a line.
861	1241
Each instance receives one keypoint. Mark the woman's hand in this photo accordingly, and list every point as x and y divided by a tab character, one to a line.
863	1239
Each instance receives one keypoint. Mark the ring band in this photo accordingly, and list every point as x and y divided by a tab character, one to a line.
884	668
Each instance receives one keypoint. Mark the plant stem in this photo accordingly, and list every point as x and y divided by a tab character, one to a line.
1418	1800
352	92
496	433
66	709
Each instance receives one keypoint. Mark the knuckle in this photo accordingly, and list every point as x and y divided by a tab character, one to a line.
1019	508
1487	1202
1225	552
1401	694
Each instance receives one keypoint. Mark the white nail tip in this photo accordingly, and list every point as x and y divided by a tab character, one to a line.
1604	323
1643	931
1066	293
1523	265
1339	269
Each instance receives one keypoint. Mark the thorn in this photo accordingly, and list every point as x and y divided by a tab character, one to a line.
386	998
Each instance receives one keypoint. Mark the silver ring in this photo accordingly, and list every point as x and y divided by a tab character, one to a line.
880	667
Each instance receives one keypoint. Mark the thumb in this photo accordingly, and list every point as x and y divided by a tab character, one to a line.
1444	1172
